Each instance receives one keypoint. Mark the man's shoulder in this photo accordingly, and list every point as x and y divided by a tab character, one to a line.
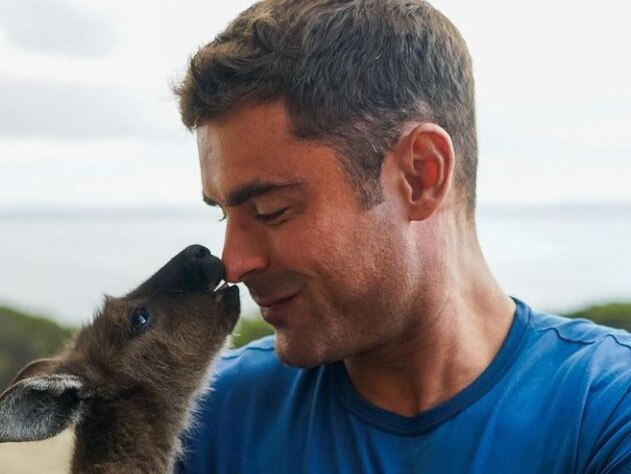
579	330
259	350
251	384
245	367
588	368
579	350
582	335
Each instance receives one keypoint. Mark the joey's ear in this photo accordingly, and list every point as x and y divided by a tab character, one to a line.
36	367
40	407
424	161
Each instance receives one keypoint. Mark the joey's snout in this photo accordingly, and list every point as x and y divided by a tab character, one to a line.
192	270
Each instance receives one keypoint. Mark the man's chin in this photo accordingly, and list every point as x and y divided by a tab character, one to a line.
299	353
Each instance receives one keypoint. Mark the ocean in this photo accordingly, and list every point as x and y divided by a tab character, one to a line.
60	262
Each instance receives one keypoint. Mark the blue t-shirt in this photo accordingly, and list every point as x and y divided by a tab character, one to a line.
554	400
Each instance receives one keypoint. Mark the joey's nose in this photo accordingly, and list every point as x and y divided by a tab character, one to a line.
193	269
199	268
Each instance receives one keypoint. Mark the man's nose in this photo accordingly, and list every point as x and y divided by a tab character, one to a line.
243	252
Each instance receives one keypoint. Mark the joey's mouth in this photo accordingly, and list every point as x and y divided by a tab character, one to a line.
228	296
221	287
221	290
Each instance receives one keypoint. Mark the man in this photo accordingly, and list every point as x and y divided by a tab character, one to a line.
338	137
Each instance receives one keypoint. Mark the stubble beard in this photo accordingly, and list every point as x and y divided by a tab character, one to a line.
334	332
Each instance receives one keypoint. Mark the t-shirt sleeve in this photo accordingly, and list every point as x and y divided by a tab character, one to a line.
612	451
606	437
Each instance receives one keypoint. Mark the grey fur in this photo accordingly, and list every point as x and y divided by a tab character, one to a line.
31	409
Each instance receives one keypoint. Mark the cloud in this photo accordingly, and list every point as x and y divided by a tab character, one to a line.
502	180
28	155
33	108
99	171
539	51
100	182
593	128
57	27
573	151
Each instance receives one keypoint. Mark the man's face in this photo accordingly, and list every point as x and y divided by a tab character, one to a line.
328	275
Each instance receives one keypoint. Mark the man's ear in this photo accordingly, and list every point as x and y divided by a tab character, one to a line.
424	161
40	407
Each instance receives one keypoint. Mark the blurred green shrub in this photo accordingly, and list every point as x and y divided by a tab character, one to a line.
24	337
249	329
617	315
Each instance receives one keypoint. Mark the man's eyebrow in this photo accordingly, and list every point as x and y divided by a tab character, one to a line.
253	190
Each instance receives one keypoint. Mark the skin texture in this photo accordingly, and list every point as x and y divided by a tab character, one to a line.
400	292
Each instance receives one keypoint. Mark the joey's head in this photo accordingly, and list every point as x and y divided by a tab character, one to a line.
158	341
165	332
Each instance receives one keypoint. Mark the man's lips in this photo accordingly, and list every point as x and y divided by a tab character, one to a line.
274	309
271	300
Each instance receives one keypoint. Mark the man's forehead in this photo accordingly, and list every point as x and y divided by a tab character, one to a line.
244	134
271	119
249	150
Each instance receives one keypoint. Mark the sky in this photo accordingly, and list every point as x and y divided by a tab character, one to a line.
87	117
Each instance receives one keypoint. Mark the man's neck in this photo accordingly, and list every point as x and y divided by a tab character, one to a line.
455	338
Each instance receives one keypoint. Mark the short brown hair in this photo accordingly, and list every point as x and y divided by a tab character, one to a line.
350	72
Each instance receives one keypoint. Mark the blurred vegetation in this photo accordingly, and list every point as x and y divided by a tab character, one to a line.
249	329
24	337
617	315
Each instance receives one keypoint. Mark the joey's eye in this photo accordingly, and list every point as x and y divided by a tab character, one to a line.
138	321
